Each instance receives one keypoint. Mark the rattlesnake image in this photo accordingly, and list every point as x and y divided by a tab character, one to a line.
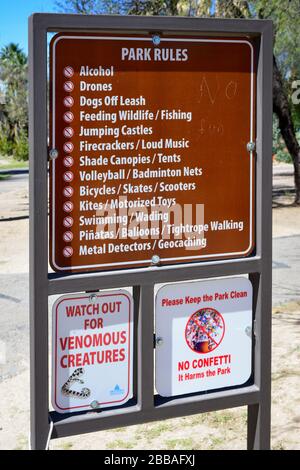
74	377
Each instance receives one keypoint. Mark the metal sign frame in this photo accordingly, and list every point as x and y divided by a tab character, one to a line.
145	406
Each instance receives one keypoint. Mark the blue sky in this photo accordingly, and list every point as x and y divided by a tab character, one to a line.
14	16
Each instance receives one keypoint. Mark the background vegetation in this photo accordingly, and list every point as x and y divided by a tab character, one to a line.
286	18
13	102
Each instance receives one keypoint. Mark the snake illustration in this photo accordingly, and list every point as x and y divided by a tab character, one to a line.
65	389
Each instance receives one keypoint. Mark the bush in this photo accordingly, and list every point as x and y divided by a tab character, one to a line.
20	147
279	148
6	145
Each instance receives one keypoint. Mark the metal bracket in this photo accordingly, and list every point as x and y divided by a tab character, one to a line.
95	405
159	341
155	260
248	331
53	154
93	298
251	146
156	39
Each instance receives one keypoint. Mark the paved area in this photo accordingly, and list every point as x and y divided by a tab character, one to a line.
14	183
14	325
286	269
283	177
14	202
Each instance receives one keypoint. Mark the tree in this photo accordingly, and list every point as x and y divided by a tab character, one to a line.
91	7
286	59
14	123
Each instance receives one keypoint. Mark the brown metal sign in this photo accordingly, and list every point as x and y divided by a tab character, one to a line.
152	151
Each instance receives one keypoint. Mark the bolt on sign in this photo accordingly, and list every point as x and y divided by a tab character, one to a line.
203	336
155	150
92	351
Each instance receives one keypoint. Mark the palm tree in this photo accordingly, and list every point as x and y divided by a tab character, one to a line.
13	75
12	62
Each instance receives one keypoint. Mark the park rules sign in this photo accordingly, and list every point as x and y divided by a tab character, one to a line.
203	335
151	149
157	192
92	351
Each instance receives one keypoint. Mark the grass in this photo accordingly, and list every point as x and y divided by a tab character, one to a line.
279	446
120	444
22	442
215	418
220	417
215	442
118	429
295	350
156	430
67	446
4	177
9	163
182	444
288	307
284	374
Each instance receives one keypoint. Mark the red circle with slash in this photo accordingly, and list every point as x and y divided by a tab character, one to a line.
68	101
205	330
68	132
68	237
67	251
68	161
68	147
68	116
69	86
68	221
68	191
68	71
68	176
68	206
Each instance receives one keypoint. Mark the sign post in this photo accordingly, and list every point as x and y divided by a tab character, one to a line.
160	172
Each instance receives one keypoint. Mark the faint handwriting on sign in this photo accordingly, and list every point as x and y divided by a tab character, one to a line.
214	91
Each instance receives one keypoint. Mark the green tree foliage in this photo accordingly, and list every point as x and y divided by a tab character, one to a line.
286	19
14	119
91	7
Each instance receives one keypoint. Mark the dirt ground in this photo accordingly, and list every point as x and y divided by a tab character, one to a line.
215	430
14	227
286	219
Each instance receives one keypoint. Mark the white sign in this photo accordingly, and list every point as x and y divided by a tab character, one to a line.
92	351
203	333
